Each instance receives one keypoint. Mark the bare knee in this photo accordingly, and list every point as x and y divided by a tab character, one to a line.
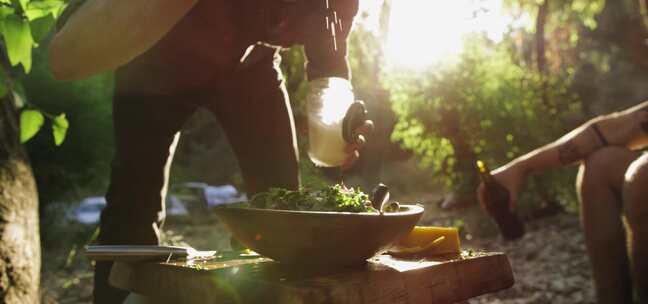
635	193
604	170
599	184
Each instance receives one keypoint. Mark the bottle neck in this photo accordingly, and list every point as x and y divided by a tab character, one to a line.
484	173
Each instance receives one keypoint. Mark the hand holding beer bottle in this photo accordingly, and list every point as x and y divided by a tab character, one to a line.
496	200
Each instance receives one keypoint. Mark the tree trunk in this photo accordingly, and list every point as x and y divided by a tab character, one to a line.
541	20
541	53
625	27
20	257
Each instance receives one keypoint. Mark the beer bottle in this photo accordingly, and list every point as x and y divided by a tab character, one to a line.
496	203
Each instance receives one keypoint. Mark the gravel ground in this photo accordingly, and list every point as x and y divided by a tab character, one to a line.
550	264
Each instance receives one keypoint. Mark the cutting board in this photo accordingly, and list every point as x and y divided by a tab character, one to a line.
383	279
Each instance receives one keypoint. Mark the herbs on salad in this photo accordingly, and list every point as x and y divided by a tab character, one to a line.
336	198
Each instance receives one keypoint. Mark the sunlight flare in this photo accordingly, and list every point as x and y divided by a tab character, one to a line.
425	32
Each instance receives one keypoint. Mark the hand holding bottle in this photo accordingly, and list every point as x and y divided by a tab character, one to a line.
496	200
337	124
511	177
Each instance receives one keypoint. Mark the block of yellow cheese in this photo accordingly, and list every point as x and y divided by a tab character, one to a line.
431	240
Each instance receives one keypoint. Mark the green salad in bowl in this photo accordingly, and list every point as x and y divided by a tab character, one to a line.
335	198
334	226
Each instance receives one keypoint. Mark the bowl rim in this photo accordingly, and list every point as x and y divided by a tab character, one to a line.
412	209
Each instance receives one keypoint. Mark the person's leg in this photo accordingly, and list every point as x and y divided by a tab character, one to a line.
635	199
256	116
146	131
599	186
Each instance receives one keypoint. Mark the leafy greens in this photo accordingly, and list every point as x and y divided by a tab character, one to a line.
336	198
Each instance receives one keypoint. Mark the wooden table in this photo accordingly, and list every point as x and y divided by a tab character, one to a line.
384	279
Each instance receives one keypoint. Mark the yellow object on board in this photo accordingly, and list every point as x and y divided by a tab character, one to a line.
431	240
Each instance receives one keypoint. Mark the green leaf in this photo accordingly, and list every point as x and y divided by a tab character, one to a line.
23	4
18	40
44	8
31	122
19	5
60	126
6	11
41	27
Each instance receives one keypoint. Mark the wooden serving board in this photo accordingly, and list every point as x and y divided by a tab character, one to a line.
384	279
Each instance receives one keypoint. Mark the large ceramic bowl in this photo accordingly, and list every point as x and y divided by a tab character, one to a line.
318	238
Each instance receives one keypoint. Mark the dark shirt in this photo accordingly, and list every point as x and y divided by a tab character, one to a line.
208	43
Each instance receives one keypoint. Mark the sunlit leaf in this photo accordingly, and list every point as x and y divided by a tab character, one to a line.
60	126
44	8
18	41
31	122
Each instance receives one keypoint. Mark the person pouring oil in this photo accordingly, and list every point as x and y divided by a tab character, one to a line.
173	56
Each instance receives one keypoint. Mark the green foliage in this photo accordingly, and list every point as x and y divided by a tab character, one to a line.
18	40
60	125
564	13
294	73
30	123
80	166
22	24
333	198
16	21
566	24
587	10
84	161
484	106
365	59
310	176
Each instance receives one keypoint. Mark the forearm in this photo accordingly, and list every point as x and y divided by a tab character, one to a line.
104	34
327	56
618	129
570	148
326	46
321	65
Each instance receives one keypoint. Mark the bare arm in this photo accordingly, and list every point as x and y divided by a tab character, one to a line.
104	34
618	129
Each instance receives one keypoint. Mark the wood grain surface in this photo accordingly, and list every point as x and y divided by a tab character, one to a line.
384	279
